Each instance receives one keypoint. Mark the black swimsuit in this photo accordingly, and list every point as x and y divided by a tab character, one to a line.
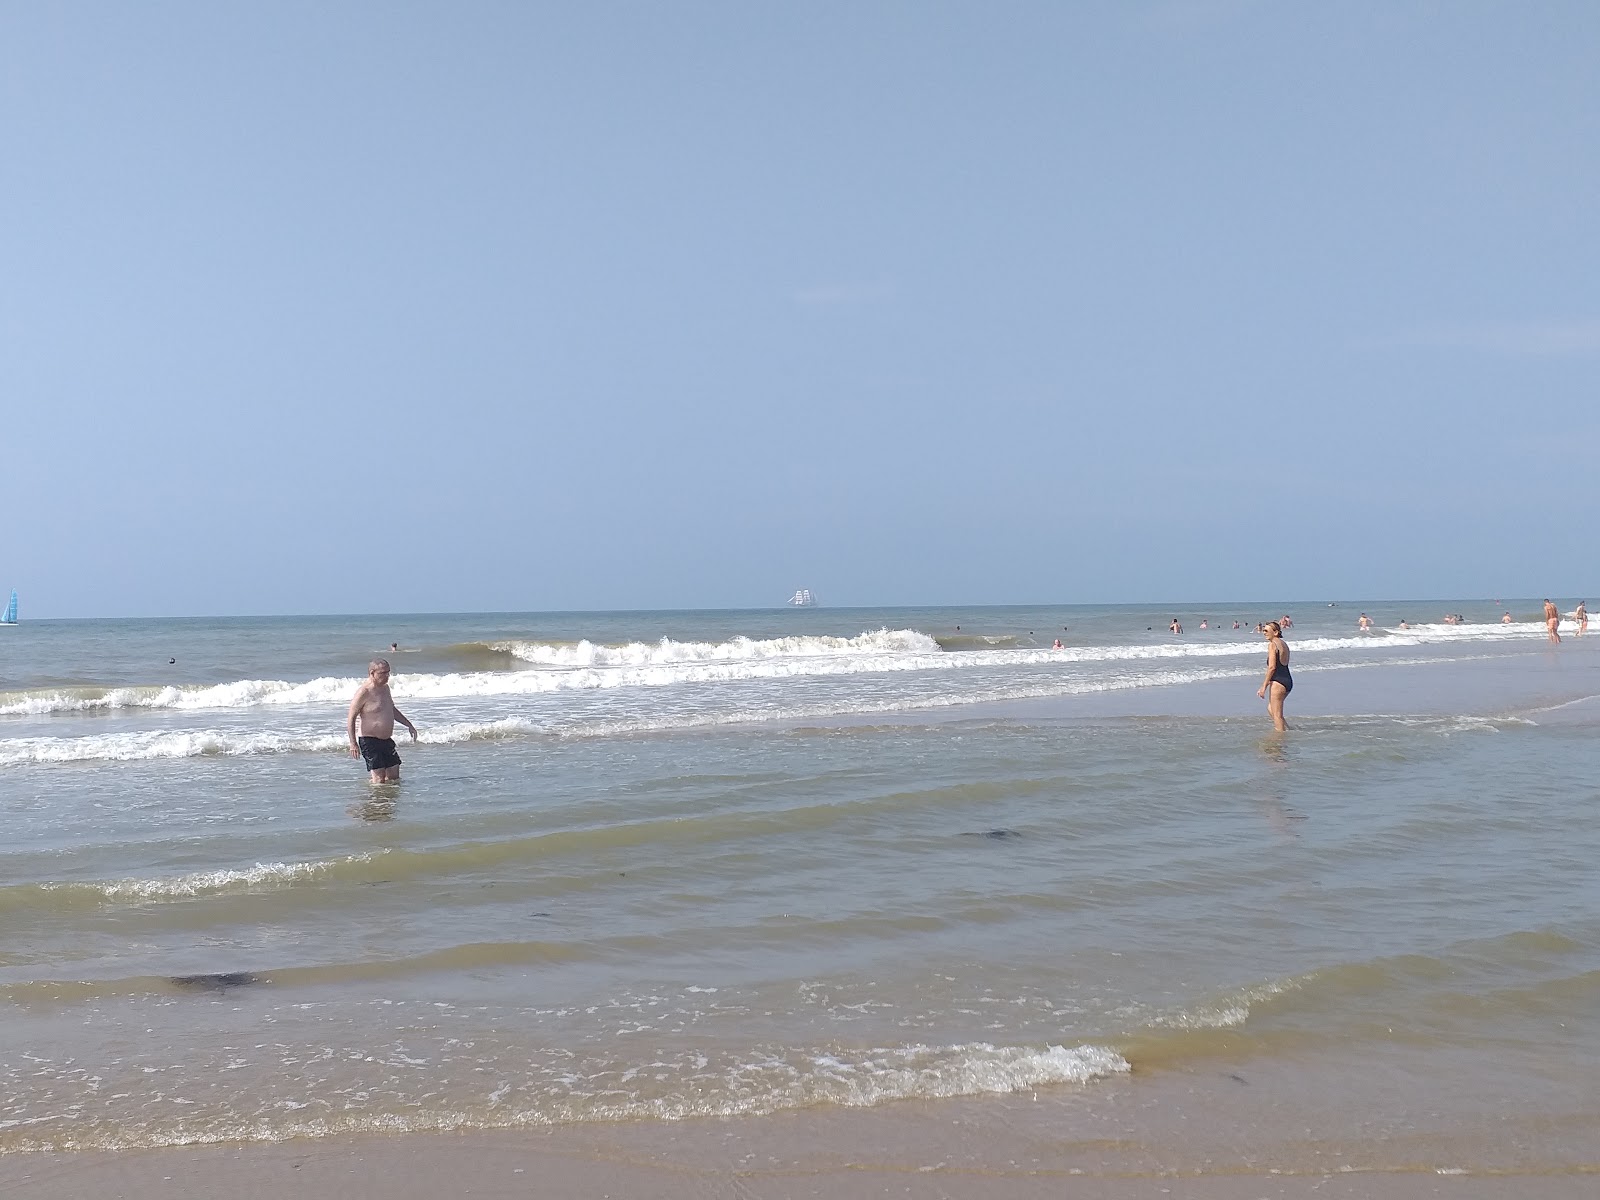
1280	674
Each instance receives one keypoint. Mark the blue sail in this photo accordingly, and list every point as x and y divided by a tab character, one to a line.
11	610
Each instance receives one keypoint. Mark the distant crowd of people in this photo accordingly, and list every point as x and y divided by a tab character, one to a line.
1282	622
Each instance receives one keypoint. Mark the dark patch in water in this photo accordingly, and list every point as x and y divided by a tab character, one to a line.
220	982
999	835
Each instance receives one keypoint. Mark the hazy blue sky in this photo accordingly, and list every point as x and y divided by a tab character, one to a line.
381	307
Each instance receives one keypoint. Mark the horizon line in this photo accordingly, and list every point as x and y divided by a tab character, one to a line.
511	612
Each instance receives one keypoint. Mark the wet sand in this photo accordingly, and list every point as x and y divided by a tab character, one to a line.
1225	1131
914	1151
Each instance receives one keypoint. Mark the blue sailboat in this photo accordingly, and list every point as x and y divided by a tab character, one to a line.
11	610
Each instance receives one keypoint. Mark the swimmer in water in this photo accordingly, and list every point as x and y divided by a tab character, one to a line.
1278	681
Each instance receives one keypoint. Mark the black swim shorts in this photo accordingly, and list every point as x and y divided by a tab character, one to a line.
379	753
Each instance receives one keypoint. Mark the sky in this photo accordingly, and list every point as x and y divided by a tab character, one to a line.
471	306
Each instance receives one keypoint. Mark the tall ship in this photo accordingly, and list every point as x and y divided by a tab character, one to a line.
10	617
803	599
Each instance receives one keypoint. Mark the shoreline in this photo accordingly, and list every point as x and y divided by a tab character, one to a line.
1230	1130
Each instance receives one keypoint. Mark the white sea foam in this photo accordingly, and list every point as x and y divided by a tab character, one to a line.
923	1072
1440	632
238	694
202	883
739	649
585	667
554	1090
133	747
1229	1011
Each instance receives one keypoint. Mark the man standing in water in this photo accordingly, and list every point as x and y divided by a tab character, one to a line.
1552	620
374	707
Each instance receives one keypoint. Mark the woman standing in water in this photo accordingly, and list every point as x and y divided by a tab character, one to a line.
1278	681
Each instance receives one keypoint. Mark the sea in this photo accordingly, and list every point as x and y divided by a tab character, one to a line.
643	867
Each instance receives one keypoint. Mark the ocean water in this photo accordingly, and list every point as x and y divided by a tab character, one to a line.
645	866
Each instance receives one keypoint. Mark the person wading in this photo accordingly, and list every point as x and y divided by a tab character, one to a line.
1278	683
374	707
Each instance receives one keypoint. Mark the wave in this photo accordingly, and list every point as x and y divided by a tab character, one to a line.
558	667
223	881
1488	981
133	747
238	694
735	650
476	656
546	667
550	1090
1440	632
201	743
957	642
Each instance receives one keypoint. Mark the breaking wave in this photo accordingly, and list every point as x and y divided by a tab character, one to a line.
197	743
735	650
667	1087
551	667
132	747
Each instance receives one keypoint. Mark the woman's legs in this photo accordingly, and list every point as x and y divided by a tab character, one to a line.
1275	695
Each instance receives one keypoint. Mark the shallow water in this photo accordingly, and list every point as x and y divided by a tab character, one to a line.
655	865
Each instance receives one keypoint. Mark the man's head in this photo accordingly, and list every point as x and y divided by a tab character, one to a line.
378	670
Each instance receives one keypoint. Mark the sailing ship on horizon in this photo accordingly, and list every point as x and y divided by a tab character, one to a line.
803	598
10	617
